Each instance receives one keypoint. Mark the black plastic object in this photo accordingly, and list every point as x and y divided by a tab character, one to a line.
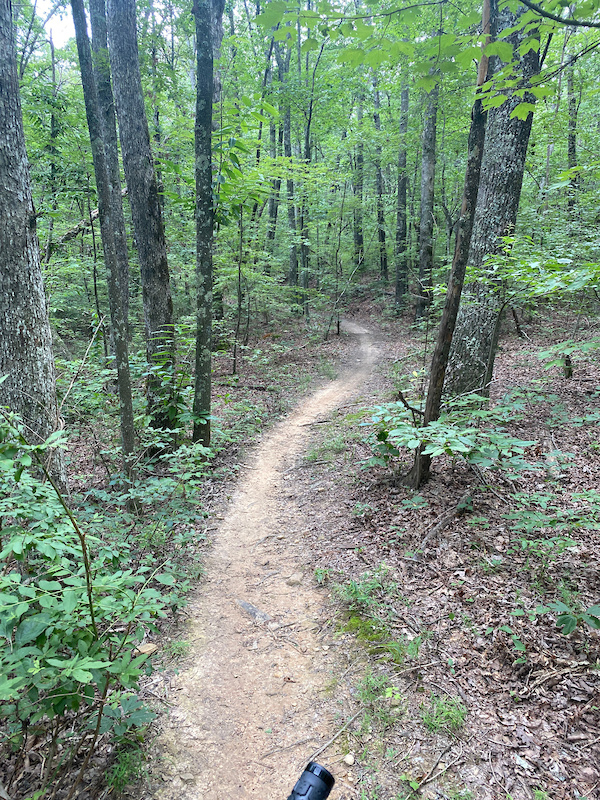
315	783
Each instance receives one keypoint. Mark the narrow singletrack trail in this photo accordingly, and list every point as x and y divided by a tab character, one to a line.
248	702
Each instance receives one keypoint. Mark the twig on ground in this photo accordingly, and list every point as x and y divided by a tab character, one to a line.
433	769
287	746
445	520
335	736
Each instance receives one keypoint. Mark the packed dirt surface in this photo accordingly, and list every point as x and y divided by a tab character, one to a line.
248	708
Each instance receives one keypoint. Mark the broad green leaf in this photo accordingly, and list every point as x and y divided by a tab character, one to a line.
352	55
522	111
309	44
503	50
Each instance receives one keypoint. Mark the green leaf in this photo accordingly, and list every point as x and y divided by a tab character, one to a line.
567	623
31	628
309	44
272	15
352	55
522	111
503	50
166	579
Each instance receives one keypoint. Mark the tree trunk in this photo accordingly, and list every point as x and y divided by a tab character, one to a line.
474	344
358	184
401	221
145	206
276	139
26	358
111	148
105	206
572	136
204	220
426	218
383	262
419	472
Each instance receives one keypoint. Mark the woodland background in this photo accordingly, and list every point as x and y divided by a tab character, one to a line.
297	161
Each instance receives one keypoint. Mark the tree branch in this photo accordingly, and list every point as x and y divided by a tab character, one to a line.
578	23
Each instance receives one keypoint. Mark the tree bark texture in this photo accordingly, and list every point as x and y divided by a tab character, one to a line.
505	148
401	221
426	217
108	120
204	220
144	199
357	185
276	139
105	206
383	261
25	339
283	66
572	135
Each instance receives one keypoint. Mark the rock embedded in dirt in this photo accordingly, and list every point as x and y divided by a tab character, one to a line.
349	759
255	613
295	579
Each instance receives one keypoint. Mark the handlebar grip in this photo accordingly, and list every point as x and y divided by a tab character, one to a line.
315	783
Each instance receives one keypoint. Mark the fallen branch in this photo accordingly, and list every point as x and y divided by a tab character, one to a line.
287	747
445	520
335	736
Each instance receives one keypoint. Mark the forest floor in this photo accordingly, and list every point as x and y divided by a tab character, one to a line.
392	634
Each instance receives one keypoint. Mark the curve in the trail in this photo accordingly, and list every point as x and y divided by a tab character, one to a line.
250	684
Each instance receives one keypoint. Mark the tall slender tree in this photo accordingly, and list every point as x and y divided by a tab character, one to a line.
143	190
203	16
401	254
426	217
106	108
105	206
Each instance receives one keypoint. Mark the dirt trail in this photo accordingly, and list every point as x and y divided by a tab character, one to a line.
251	686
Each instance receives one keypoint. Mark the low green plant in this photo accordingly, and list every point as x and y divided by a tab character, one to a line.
322	575
178	649
444	714
128	767
75	600
468	429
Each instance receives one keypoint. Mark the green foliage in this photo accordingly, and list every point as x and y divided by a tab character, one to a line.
75	599
444	714
128	767
486	444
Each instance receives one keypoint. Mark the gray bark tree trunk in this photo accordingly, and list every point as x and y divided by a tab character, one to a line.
204	219
475	339
401	221
426	216
108	120
572	136
25	338
105	206
358	180
383	261
146	212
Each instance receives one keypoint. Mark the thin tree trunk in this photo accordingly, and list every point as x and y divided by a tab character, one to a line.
426	218
111	147
358	186
276	145
105	205
401	221
204	220
572	136
145	207
383	261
